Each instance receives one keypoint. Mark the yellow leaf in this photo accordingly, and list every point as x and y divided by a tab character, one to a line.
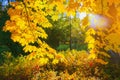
92	56
101	61
55	17
43	61
111	2
55	61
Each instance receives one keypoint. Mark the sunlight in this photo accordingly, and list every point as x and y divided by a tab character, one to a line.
82	15
95	20
98	21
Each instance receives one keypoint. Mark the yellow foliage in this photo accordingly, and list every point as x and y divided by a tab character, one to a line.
91	31
90	39
92	56
101	61
55	61
51	56
55	17
29	18
43	61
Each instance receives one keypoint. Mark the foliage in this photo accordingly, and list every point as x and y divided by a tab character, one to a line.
43	61
22	68
59	33
103	38
63	47
112	71
28	30
75	65
13	68
6	44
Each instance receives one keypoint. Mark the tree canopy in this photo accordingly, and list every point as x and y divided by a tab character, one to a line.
28	19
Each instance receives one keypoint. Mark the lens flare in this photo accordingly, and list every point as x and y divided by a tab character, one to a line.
98	21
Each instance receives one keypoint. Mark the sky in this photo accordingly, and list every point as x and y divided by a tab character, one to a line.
5	2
